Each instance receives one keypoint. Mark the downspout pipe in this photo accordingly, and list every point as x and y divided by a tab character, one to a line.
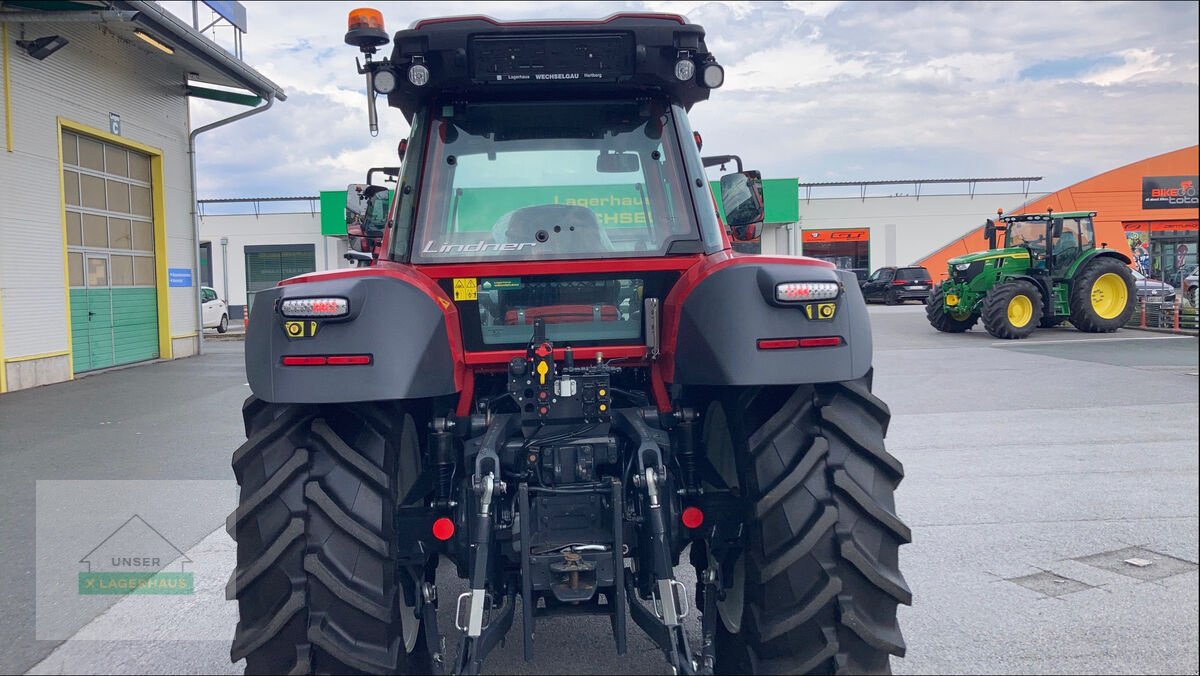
270	96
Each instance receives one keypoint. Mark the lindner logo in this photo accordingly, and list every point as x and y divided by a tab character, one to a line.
131	560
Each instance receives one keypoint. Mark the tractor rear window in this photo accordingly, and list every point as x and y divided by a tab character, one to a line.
604	310
552	180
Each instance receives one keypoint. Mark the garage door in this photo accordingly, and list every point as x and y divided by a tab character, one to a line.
110	253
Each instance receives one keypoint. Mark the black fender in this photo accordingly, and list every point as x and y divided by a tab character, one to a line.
722	319
399	325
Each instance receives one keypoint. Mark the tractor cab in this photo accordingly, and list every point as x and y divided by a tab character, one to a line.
1054	241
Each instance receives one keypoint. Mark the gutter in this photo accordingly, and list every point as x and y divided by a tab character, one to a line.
106	16
154	16
196	211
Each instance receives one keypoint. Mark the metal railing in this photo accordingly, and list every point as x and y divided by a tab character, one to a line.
1179	316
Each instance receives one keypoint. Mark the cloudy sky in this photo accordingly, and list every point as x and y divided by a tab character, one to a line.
822	91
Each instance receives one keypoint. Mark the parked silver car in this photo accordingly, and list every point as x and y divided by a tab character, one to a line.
1153	291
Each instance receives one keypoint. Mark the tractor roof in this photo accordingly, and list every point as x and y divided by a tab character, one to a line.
480	57
1041	217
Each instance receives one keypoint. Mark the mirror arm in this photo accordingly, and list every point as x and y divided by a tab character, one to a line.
715	160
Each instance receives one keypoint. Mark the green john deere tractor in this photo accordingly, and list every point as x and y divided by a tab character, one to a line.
1047	270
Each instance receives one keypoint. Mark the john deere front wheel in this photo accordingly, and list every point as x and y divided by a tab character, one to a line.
1012	310
1102	296
947	321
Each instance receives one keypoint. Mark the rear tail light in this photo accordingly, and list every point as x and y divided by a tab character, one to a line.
793	343
328	360
806	291
314	307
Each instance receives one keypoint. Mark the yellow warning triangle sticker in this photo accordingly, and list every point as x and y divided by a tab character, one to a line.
445	303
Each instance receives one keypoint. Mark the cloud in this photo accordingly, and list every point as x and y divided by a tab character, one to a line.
821	91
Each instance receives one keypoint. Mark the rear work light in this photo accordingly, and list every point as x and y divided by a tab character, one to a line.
793	292
314	307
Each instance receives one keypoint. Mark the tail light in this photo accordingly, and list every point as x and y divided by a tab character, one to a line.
314	307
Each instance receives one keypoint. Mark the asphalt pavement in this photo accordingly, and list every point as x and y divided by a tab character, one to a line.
1051	487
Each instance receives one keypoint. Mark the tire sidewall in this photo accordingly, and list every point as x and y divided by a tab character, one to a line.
996	304
1083	314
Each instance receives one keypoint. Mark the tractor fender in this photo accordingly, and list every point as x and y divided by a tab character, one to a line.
718	322
400	325
1040	283
1097	253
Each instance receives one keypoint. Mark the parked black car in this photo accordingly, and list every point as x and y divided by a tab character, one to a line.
896	285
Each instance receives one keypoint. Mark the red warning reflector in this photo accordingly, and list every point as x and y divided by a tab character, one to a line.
350	360
792	343
778	343
692	517
829	341
443	529
304	361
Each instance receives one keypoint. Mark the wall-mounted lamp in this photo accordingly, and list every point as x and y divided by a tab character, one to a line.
155	42
43	47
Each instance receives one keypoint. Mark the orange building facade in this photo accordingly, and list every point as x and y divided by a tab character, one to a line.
1147	210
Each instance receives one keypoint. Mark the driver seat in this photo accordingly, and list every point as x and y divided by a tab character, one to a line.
563	228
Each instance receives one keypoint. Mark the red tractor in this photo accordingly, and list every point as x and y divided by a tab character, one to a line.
556	375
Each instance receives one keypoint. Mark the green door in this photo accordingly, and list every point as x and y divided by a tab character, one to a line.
99	317
110	253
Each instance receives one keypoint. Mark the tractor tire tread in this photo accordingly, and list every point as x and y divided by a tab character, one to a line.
994	310
316	585
822	580
1083	317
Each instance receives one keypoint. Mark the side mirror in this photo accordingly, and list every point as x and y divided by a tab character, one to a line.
989	230
366	209
617	163
741	195
359	258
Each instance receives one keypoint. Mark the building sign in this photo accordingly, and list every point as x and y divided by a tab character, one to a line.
856	235
1169	192
233	12
179	277
1159	226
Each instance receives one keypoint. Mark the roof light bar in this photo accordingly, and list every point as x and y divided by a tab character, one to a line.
314	307
794	292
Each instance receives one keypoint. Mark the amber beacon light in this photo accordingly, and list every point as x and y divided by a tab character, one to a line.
364	28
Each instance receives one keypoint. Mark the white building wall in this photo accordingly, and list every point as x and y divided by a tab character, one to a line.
96	74
250	230
905	229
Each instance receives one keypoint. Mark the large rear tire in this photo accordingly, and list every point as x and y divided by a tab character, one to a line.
1102	296
1011	310
817	588
316	582
946	322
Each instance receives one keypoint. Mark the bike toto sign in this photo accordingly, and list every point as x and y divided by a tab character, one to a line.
1169	192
